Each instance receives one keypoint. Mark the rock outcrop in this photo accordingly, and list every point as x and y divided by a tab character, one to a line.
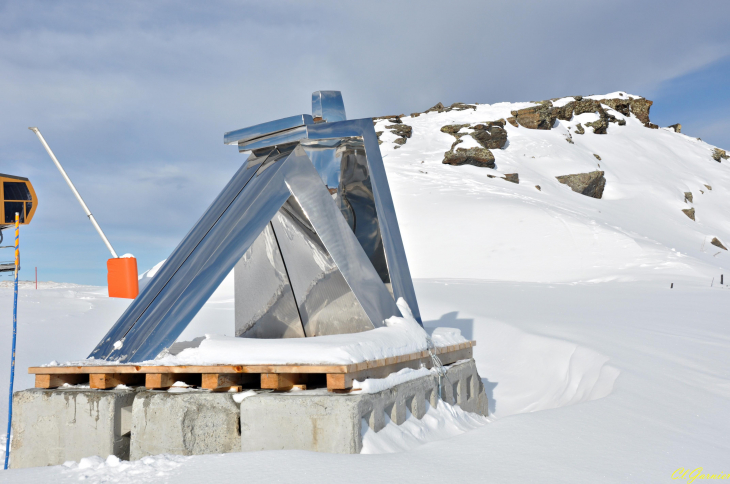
718	155
512	177
716	242
491	135
676	127
481	157
588	184
690	212
688	197
440	108
543	115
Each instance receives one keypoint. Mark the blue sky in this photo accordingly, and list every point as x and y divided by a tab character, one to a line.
134	97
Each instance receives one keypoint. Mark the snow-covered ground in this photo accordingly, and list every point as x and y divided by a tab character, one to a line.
595	368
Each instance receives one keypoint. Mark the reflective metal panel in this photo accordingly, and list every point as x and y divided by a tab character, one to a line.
328	106
326	303
275	139
400	276
202	272
316	201
177	258
265	129
264	302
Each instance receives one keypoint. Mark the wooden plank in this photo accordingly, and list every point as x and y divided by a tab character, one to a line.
55	381
159	380
337	381
251	369
214	381
104	381
282	381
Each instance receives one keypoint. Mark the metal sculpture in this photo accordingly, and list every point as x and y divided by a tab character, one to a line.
308	221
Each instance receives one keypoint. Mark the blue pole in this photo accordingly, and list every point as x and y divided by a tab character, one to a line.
15	332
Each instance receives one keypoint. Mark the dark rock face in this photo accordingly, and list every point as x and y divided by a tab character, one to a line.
452	129
512	177
676	127
597	157
588	184
538	188
481	157
623	106
599	126
718	155
579	129
402	130
708	187
640	108
490	135
513	122
536	117
690	212
688	197
716	242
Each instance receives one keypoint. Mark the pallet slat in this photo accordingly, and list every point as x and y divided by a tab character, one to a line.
224	377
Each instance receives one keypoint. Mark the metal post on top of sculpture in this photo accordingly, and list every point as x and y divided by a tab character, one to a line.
309	224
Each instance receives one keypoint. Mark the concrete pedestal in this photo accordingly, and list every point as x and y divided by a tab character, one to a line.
53	426
327	422
191	423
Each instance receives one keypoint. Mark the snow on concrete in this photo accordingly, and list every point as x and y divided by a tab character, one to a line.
439	423
375	385
595	369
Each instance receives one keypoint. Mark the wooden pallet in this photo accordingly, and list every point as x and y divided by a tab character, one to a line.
339	378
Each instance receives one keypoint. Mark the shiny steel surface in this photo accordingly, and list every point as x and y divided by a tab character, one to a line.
328	106
310	225
197	266
264	302
316	201
265	129
326	303
400	275
275	139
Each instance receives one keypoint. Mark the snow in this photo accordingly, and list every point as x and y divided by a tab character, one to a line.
439	423
375	385
595	369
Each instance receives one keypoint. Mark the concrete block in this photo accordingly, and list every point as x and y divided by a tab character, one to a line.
191	423
328	422
53	426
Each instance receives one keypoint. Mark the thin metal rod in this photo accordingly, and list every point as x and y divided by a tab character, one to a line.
15	332
76	192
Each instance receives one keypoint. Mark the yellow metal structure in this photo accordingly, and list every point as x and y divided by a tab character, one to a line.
16	195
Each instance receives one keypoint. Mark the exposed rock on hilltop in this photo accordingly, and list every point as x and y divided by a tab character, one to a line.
718	155
470	156
716	242
588	184
543	115
690	212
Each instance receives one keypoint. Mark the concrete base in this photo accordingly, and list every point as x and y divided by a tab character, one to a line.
326	422
53	426
190	423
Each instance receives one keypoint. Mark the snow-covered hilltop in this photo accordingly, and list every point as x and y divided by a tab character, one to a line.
598	192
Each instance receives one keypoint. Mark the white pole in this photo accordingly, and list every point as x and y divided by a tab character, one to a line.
76	192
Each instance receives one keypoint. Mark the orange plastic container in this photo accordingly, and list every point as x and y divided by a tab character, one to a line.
122	277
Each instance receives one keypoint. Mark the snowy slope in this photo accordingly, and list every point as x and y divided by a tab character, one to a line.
596	370
467	225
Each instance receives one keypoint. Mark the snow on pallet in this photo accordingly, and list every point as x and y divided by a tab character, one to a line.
339	378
